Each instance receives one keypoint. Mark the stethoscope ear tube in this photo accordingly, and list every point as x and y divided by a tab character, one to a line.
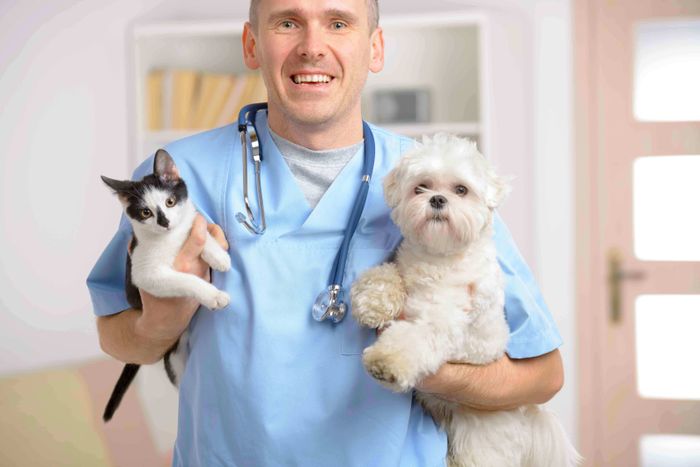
246	127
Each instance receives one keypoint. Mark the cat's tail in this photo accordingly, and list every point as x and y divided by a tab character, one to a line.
550	444
125	379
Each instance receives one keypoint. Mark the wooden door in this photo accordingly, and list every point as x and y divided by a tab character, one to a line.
618	146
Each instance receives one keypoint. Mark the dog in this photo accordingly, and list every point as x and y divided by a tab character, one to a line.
446	284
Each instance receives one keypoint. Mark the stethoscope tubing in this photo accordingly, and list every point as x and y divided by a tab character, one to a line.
338	270
334	308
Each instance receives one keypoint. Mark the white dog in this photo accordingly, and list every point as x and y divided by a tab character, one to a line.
447	282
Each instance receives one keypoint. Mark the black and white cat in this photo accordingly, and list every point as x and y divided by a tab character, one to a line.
161	215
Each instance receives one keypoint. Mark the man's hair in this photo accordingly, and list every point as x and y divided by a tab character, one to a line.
372	14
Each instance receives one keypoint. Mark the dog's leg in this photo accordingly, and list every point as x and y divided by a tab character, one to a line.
378	296
407	352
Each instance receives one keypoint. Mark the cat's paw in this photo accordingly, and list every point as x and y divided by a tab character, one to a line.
217	300
392	369
221	262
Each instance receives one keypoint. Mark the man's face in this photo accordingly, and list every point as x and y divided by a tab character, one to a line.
314	56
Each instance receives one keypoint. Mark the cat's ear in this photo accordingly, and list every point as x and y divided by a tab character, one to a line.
121	187
118	185
164	166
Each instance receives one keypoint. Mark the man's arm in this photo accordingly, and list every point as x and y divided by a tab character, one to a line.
502	385
143	336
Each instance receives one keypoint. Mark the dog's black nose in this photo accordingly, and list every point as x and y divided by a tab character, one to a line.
438	201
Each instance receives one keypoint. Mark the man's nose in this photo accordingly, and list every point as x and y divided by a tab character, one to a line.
312	45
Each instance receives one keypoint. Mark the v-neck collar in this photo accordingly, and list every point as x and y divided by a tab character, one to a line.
286	207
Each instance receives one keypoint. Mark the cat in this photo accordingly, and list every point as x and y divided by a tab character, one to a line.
161	215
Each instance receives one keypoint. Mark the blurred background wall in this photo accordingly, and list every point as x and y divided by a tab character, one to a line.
65	76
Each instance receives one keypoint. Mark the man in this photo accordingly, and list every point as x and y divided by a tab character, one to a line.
265	385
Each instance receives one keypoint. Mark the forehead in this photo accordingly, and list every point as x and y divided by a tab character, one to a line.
310	8
446	169
154	197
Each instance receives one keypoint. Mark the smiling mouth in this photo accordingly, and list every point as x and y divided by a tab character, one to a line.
311	79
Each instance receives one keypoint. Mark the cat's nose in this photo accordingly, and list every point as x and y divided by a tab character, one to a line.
163	221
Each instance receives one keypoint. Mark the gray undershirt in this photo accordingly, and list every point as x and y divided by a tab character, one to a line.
314	170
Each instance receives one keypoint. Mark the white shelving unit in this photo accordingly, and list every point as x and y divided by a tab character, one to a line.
454	78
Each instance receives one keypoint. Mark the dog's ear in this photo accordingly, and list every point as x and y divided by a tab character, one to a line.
497	188
392	193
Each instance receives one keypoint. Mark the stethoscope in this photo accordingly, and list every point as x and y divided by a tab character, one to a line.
330	304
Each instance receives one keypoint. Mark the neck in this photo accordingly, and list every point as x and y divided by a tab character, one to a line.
317	136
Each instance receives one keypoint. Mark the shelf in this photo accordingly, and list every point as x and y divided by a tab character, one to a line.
452	80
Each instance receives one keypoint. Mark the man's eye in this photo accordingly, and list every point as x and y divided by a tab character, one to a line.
461	190
286	25
339	25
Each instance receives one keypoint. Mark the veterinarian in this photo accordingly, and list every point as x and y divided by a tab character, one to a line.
265	384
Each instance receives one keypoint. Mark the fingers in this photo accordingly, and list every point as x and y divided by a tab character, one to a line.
188	260
218	234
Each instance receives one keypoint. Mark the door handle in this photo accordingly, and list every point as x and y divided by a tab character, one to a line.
616	275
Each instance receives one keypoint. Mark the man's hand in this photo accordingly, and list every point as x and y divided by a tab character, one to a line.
502	385
164	319
143	336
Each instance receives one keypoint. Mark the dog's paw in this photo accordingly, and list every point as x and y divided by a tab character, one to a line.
216	300
391	369
371	315
219	261
378	296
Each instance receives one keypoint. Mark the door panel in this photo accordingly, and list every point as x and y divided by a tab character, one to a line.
614	417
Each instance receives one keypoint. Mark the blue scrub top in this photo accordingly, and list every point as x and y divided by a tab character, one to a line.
265	384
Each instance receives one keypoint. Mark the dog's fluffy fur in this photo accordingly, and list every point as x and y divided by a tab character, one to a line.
447	282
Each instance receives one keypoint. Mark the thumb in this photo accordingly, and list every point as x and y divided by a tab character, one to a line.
194	244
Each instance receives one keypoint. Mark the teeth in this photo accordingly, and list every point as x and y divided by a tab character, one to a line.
311	79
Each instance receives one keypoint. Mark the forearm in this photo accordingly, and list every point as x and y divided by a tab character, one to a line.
504	384
121	336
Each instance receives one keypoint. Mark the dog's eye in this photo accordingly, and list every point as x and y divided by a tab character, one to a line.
420	189
146	213
461	190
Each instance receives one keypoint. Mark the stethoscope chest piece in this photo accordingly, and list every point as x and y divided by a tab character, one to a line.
330	305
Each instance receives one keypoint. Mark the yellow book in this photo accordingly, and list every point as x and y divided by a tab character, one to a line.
223	86
232	105
185	88
154	100
206	90
259	93
249	90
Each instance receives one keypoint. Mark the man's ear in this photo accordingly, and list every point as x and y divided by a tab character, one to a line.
250	50
376	58
392	191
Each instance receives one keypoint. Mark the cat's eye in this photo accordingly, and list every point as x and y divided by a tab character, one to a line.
420	188
146	213
461	190
170	202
